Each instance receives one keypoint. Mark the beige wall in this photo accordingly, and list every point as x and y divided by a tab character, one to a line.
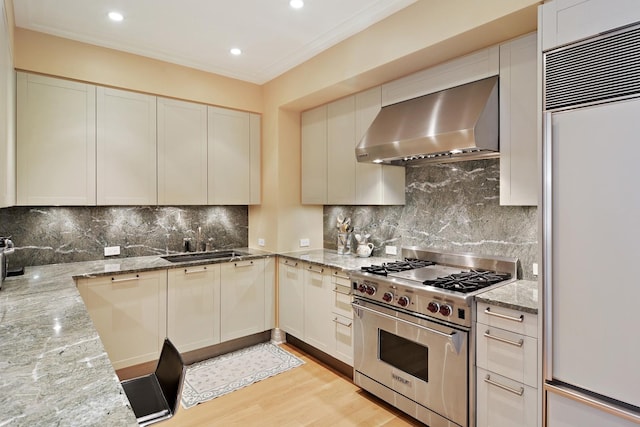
424	34
42	53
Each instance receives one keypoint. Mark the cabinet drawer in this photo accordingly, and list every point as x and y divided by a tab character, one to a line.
506	318
344	339
342	301
339	277
507	353
505	403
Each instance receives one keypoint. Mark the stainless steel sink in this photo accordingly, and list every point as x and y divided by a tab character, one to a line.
198	256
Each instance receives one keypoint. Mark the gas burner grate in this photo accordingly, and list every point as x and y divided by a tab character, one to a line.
468	281
396	267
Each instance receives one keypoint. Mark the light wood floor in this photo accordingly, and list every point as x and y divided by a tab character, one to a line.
309	395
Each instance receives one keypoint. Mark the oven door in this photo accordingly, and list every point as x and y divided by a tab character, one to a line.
422	360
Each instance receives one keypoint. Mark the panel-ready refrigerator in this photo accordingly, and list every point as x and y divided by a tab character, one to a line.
591	231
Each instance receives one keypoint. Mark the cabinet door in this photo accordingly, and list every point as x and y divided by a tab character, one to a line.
242	299
129	313
291	298
519	122
318	324
368	175
343	338
182	153
7	117
193	306
56	141
565	21
314	156
341	171
126	137
230	157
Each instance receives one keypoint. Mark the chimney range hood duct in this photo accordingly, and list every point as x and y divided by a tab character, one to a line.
455	124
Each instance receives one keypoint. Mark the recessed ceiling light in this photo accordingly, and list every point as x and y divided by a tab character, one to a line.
296	4
235	51
116	16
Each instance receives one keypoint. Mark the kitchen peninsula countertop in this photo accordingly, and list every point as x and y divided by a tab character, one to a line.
520	295
54	368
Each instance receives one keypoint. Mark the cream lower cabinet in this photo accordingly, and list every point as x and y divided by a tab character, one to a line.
318	328
315	307
129	311
193	306
246	297
291	297
342	317
507	368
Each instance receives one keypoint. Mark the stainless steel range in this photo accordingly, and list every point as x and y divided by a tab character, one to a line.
413	338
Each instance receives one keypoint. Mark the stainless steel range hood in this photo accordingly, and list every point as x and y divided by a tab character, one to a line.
455	124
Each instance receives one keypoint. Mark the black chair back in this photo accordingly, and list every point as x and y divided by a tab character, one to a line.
169	372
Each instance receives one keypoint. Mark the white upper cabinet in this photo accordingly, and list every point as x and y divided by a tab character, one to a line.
566	21
330	172
519	132
56	141
341	134
466	69
7	117
182	153
233	157
375	184
126	136
314	156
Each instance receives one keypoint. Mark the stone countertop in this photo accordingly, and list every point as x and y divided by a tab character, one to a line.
520	295
331	259
54	369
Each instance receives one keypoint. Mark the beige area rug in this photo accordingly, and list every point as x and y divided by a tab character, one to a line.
229	372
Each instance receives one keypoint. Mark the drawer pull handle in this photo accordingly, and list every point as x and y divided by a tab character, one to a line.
348	325
128	279
520	392
249	264
337	291
295	264
506	341
316	271
203	270
504	316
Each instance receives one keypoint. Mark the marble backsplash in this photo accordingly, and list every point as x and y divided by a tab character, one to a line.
50	235
451	207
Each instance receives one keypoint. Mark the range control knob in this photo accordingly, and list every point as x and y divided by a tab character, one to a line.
433	307
371	290
387	297
362	288
445	310
403	301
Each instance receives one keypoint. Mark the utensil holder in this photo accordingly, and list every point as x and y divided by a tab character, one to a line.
344	243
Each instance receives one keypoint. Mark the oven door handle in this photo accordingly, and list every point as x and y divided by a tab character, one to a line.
455	338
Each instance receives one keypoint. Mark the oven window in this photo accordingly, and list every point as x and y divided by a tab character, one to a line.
403	354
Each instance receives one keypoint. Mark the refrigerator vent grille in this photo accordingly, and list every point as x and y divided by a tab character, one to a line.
602	68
